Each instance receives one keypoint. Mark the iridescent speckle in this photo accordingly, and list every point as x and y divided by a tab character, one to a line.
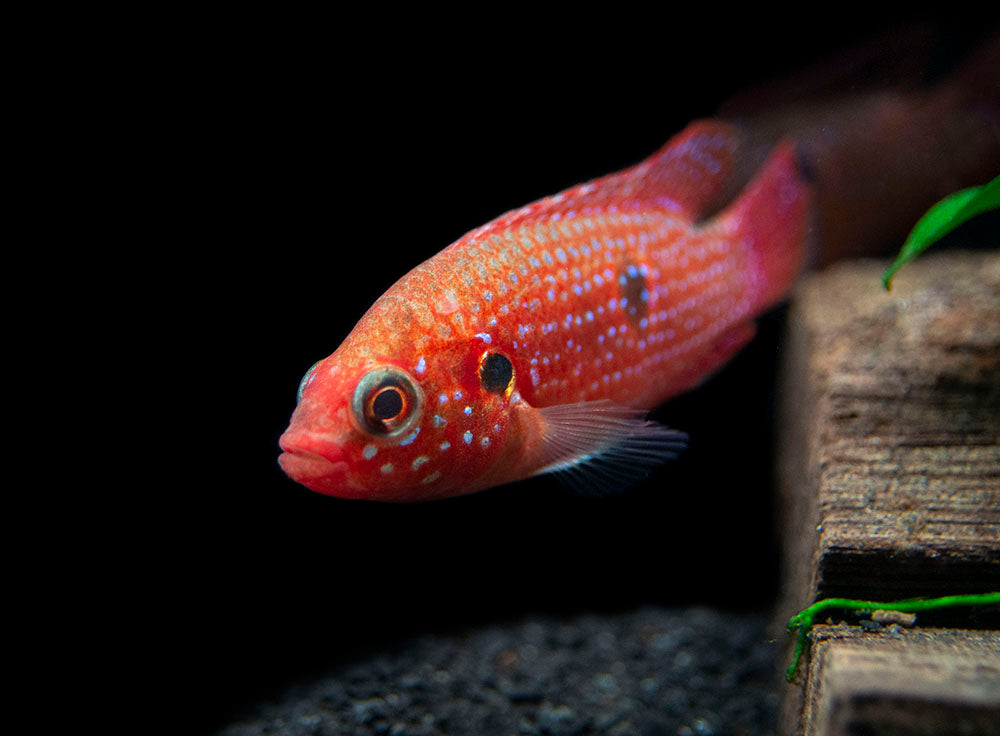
369	452
467	437
410	437
386	469
418	461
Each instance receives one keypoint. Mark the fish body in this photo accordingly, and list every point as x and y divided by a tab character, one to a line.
538	341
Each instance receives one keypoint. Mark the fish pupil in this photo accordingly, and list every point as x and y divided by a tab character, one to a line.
387	404
495	373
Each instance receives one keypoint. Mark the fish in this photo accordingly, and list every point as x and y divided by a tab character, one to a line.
538	342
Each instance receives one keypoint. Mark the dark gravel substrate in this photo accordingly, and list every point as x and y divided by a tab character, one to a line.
650	672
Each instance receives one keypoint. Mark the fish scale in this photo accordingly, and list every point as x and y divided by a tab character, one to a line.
603	291
587	312
599	302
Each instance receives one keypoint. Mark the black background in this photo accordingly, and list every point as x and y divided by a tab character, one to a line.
306	168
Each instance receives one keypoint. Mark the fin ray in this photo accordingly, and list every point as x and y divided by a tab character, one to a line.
600	447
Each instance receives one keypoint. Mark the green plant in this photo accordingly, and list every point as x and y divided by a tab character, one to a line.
941	219
803	621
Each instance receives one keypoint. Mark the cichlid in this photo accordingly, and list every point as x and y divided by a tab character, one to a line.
537	342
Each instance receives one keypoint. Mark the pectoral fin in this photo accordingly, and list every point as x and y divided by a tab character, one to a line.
600	447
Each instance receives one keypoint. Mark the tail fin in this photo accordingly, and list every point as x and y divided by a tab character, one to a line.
880	159
772	221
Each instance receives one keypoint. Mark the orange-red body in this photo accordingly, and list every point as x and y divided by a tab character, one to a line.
534	343
608	291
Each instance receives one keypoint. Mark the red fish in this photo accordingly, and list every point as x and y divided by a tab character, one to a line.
537	342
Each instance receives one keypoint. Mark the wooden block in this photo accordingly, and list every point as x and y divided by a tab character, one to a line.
889	462
890	466
931	682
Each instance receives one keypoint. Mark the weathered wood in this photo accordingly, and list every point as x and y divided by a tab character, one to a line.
889	463
924	681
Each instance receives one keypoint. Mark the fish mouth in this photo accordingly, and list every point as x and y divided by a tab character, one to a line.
300	464
316	464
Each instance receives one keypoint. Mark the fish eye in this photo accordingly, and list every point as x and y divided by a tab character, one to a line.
306	380
496	373
386	401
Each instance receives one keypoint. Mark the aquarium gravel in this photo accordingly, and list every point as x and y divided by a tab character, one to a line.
650	672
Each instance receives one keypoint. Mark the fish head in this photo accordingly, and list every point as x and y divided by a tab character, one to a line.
401	419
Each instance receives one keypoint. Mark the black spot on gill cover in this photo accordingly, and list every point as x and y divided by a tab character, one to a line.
495	373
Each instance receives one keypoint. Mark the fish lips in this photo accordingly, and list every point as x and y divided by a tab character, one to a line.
315	462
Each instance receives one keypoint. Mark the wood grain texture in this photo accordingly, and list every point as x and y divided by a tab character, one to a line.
891	462
889	459
931	682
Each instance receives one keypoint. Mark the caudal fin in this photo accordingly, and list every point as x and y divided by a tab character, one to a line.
881	148
771	220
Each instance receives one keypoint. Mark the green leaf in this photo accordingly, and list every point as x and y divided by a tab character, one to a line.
941	219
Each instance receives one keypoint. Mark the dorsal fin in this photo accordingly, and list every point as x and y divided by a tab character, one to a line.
689	175
693	168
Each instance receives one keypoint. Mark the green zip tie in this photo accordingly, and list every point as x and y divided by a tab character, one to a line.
803	621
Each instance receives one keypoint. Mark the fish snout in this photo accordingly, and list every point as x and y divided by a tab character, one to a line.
314	460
